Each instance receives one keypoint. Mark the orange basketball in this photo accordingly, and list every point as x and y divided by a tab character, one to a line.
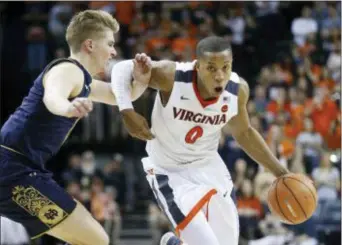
293	198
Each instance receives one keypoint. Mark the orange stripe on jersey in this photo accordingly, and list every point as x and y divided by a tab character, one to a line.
207	213
194	211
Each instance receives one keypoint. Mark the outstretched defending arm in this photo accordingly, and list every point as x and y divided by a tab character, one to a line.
116	71
249	139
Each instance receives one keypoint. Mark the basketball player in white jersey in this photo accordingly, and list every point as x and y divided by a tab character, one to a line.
189	179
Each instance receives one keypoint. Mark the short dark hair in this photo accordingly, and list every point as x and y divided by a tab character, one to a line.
212	44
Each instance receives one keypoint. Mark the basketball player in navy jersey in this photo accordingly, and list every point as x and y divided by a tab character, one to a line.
60	96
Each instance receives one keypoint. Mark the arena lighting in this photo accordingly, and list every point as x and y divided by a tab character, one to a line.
333	158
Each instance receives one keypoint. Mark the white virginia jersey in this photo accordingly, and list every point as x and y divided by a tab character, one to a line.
187	131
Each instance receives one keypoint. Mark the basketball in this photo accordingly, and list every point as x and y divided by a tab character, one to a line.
293	198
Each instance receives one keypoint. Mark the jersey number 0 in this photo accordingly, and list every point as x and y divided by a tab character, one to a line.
194	134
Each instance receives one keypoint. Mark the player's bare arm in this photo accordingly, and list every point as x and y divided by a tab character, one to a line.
61	83
158	75
162	78
162	75
102	92
249	139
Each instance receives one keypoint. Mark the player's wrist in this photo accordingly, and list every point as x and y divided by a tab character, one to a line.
121	78
282	172
127	111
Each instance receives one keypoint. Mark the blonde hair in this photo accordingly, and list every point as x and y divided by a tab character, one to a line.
88	24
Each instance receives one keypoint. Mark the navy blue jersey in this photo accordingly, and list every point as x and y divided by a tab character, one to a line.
32	130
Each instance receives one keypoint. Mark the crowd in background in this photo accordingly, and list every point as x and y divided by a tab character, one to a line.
289	53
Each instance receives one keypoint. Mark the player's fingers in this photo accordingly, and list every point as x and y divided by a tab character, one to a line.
135	64
138	136
88	105
80	107
138	57
74	111
146	130
84	106
148	62
148	135
143	57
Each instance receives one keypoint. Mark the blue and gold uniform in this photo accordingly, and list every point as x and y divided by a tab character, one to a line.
30	137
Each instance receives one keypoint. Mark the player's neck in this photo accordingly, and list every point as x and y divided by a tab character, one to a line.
85	61
202	91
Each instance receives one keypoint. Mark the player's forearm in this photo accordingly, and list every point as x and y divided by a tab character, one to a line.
102	92
255	146
123	87
56	104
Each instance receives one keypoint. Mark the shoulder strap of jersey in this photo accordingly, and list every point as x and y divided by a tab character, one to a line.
184	71
233	84
87	76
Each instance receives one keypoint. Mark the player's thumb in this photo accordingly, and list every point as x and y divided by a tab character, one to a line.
134	63
148	131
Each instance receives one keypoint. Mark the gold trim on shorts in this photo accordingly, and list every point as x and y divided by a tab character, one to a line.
38	205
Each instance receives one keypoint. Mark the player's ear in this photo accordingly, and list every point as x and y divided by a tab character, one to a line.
88	45
197	65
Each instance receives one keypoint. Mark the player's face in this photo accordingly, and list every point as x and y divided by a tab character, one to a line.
103	49
214	71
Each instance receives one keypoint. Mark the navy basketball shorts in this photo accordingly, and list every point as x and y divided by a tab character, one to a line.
35	200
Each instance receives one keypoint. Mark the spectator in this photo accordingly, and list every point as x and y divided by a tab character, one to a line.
84	176
112	216
250	211
74	189
74	165
262	182
115	177
322	111
59	17
303	26
37	50
332	21
327	179
260	100
158	223
240	175
312	143
334	62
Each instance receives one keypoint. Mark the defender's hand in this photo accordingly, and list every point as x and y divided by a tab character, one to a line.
142	68
79	107
136	125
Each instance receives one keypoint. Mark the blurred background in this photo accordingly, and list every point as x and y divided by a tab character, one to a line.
290	54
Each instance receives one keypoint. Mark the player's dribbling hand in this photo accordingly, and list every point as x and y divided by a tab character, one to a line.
136	125
80	107
142	68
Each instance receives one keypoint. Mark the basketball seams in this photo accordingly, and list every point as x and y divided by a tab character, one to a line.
313	196
294	196
281	210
